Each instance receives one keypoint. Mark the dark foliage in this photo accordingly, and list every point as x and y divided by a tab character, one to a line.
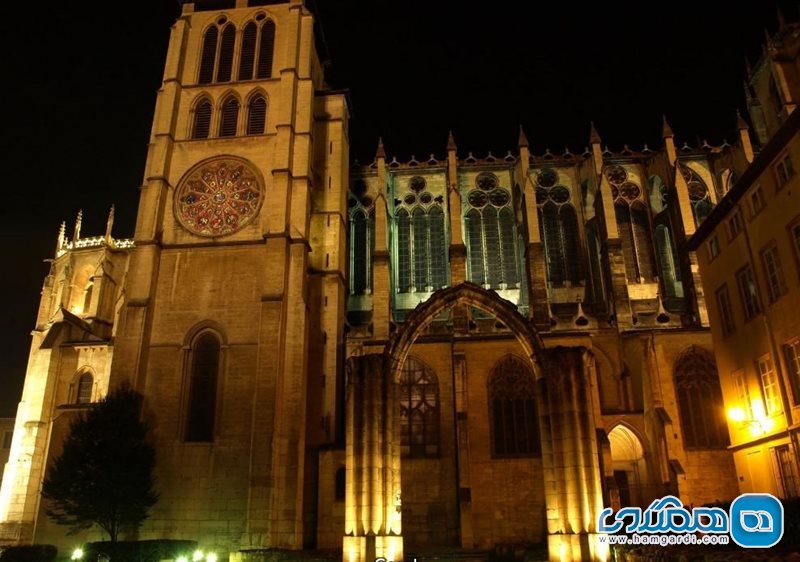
29	553
140	551
104	474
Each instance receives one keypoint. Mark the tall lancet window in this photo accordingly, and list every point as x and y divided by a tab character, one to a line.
420	240
491	235
226	46
362	239
512	410
699	397
419	409
229	119
201	127
257	115
668	261
204	362
699	195
633	223
266	48
208	56
558	227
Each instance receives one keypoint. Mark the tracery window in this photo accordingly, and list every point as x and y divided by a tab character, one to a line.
558	227
700	400
83	395
362	239
419	409
699	195
491	235
633	222
204	360
421	246
512	410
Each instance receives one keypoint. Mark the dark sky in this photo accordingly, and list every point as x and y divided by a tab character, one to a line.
80	84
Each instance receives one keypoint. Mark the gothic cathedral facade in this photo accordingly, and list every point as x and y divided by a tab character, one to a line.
452	352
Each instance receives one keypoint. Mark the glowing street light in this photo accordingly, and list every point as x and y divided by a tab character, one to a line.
211	557
77	554
197	556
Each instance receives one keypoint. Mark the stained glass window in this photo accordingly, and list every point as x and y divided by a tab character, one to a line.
218	197
512	410
558	229
419	409
698	194
204	370
700	400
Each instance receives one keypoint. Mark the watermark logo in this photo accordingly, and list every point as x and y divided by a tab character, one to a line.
753	521
756	520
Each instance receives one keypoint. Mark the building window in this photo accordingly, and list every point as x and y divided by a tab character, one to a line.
230	117
419	409
247	57
266	50
340	484
558	228
713	248
421	241
748	292
208	56
257	115
633	222
757	202
512	410
225	65
699	195
7	439
204	361
725	310
362	244
774	271
202	119
596	269
784	170
769	386
491	233
83	393
700	400
670	267
742	392
791	352
734	224
786	471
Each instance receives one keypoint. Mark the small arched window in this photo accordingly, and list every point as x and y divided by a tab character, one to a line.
248	55
257	115
225	66
202	120
230	117
700	400
419	409
208	56
83	395
340	484
204	359
512	410
266	50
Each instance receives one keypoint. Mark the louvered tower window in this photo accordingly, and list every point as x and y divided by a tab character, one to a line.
558	227
208	56
202	120
633	223
247	59
257	115
266	50
491	235
225	65
230	117
699	399
421	245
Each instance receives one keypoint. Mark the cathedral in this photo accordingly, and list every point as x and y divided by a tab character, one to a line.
465	353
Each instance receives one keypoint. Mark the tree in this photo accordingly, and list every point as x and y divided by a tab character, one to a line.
104	474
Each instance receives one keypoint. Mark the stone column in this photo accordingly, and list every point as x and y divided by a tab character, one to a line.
573	492
373	522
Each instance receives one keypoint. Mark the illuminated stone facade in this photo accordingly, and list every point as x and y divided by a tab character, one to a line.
407	356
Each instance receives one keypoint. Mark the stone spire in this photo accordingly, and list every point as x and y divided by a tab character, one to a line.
62	236
740	122
78	221
666	130
451	142
523	140
380	153
594	136
669	140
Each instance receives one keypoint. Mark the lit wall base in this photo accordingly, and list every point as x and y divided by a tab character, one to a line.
15	532
372	547
576	547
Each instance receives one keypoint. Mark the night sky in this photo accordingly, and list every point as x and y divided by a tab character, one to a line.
80	86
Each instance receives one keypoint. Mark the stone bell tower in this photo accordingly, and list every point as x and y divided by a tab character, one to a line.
233	314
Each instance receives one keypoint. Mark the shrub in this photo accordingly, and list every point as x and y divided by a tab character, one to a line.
29	553
140	551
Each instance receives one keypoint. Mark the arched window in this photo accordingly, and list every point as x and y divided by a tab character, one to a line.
491	235
202	120
596	269
633	222
266	48
421	246
558	228
340	484
699	195
230	117
204	372
257	115
512	410
83	395
208	56
670	267
248	54
87	298
225	66
361	245
419	409
657	194
700	400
